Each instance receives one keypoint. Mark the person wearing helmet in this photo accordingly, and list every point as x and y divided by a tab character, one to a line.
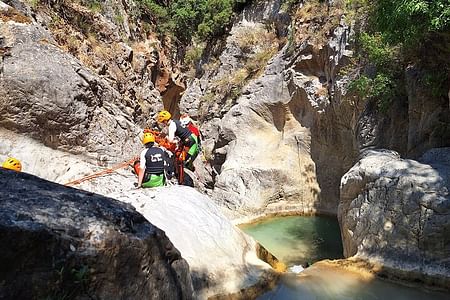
180	130
187	121
152	163
12	164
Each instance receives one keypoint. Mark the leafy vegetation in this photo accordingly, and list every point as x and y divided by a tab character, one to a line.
398	29
193	55
95	6
409	21
186	19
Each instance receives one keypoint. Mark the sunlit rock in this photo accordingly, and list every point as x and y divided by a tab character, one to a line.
222	259
398	211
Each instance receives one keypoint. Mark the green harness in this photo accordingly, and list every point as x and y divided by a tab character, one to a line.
154	181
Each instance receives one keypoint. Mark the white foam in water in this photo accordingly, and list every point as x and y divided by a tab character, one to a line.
296	269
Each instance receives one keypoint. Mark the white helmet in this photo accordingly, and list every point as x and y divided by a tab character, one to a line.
185	119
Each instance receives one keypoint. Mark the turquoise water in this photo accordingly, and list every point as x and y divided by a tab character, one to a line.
297	240
300	239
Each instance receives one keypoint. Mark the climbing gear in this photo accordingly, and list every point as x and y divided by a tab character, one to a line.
179	153
187	122
148	138
179	156
163	116
104	172
185	119
12	164
136	166
154	181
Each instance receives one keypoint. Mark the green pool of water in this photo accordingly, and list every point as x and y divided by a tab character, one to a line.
297	240
300	239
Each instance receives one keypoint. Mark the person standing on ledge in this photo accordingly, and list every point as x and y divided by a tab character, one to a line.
187	138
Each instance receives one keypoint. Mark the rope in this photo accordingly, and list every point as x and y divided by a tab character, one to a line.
102	173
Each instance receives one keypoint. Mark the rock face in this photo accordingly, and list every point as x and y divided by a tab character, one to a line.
71	77
50	96
413	124
284	143
60	242
222	259
397	211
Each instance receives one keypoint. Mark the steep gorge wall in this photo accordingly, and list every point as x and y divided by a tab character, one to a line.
284	142
279	138
82	80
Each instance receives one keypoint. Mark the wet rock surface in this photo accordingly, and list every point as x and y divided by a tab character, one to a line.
67	243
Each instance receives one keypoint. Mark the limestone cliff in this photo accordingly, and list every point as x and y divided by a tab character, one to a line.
287	133
271	97
79	80
397	212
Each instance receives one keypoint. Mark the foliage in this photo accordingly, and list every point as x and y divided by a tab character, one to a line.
186	19
33	3
436	82
382	88
408	21
396	31
193	55
377	50
94	5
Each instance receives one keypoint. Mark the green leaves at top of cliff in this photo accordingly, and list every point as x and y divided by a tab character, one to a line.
186	19
409	21
395	34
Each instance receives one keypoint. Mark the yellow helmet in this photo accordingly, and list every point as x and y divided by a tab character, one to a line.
164	115
12	164
148	138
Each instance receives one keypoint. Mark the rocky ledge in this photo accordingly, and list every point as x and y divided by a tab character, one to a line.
71	244
396	212
224	262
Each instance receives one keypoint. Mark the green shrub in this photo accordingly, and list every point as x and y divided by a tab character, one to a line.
94	5
436	82
382	88
193	55
186	19
408	21
377	50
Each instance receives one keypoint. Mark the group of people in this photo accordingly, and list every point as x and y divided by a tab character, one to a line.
155	165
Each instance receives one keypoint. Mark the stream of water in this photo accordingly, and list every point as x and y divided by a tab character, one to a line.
299	240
